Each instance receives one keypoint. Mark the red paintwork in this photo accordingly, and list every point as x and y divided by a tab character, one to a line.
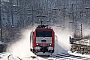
43	44
34	39
44	29
53	37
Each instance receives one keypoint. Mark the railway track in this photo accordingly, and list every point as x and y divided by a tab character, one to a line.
63	56
68	56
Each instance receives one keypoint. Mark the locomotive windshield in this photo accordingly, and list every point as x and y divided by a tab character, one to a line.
43	33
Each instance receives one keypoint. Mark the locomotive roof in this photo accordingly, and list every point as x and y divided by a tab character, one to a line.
43	27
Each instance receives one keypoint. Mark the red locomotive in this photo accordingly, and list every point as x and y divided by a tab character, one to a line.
42	39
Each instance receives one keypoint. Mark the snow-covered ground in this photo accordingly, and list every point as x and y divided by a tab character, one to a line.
20	50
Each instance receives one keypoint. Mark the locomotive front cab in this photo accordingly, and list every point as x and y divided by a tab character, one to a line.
44	40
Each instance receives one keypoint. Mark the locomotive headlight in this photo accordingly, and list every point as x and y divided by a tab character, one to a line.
50	44
36	44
